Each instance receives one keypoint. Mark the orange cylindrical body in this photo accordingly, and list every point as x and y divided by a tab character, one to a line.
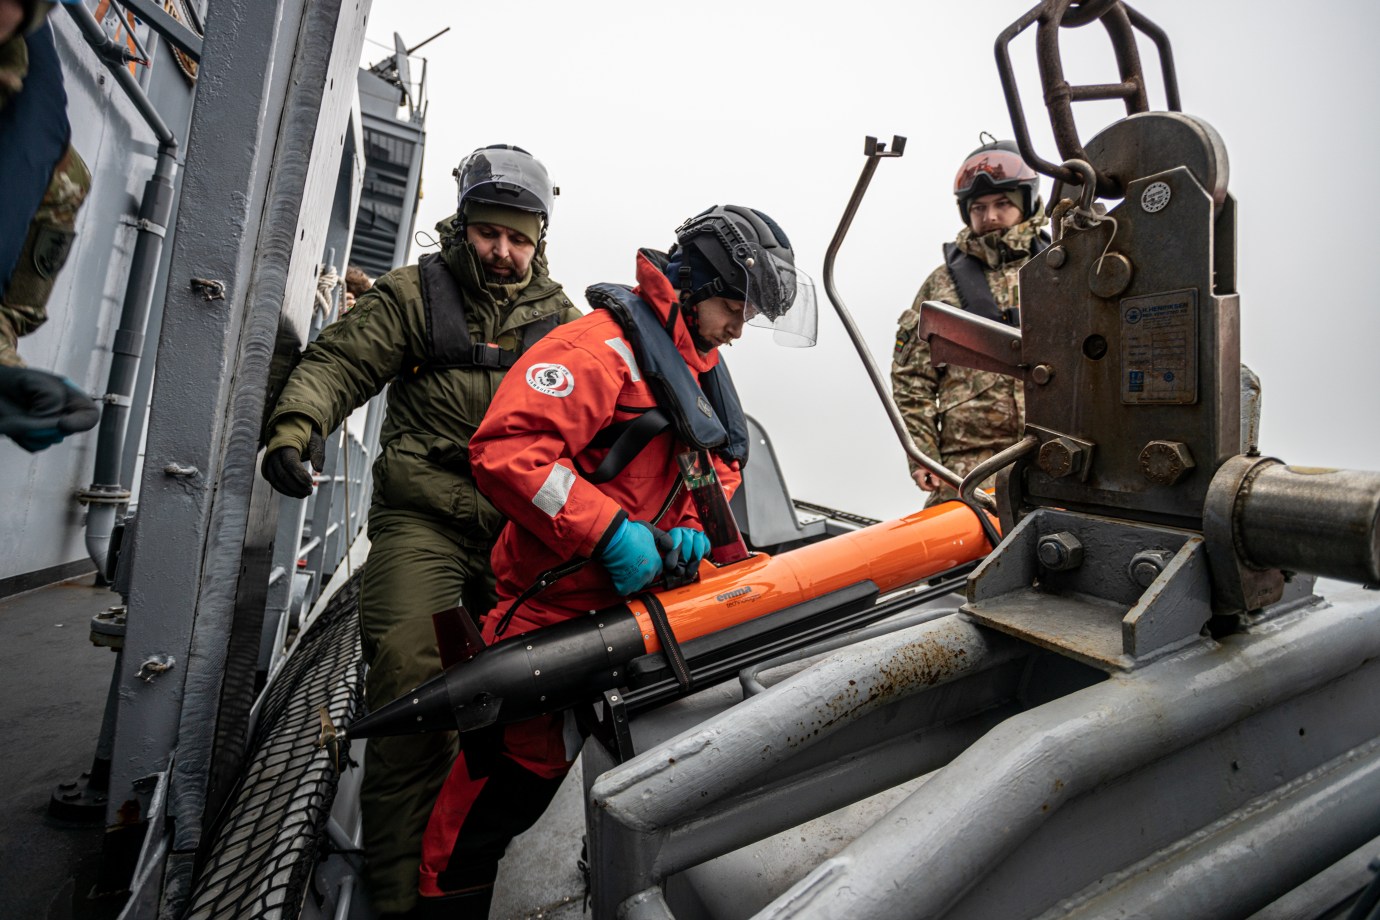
891	555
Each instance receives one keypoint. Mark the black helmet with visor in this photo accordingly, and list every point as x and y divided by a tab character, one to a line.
508	177
997	167
750	260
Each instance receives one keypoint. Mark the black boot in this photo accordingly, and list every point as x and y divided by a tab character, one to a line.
466	905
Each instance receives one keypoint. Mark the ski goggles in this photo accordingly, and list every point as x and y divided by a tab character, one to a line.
994	168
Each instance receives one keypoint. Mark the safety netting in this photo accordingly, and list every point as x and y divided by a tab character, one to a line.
267	839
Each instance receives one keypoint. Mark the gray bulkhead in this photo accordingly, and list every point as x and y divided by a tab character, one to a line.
41	534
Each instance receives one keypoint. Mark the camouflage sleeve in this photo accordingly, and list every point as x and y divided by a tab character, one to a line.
14	67
914	381
348	363
51	232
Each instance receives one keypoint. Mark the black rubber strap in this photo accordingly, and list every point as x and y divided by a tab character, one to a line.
605	437
989	530
628	439
544	580
669	646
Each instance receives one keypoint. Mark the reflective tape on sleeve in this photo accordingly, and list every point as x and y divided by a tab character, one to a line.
552	495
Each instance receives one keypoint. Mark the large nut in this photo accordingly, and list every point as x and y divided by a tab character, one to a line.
1165	462
1061	457
1146	565
1059	552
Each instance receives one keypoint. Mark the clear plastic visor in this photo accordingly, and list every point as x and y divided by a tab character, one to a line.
780	297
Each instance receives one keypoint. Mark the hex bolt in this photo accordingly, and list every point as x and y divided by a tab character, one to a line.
1059	552
1062	456
1146	565
1165	462
1144	573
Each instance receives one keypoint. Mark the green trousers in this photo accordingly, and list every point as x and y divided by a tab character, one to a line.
415	568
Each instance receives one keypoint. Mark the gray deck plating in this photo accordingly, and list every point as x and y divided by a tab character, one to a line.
54	682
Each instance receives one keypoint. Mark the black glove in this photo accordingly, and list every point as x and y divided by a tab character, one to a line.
283	467
39	409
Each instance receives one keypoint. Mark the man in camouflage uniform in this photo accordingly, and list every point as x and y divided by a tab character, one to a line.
957	415
46	183
430	529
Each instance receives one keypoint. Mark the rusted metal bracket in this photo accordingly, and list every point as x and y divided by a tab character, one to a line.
966	340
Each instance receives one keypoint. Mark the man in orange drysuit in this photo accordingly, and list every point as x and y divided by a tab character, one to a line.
578	450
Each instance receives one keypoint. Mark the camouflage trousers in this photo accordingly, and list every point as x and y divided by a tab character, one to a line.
25	305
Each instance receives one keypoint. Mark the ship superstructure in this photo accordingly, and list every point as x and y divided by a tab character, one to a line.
234	148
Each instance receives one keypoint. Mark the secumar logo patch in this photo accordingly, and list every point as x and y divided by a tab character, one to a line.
551	379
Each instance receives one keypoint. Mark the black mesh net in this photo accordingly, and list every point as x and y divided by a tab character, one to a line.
266	840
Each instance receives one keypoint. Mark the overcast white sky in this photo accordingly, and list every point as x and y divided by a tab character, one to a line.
646	113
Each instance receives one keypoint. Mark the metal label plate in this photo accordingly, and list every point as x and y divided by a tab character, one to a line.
1159	349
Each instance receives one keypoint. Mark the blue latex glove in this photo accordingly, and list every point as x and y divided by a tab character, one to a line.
632	558
39	409
692	544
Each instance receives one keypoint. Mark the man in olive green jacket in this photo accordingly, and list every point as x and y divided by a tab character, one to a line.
430	529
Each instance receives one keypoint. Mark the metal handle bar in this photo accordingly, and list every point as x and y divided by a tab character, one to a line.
875	150
1120	21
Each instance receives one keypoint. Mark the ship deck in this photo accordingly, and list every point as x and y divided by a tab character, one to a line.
53	682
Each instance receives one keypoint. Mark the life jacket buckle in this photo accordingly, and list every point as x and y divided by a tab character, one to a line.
487	354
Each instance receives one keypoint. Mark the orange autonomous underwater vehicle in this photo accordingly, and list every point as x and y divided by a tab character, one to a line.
733	615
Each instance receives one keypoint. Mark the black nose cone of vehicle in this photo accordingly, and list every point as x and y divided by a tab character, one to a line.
425	709
543	671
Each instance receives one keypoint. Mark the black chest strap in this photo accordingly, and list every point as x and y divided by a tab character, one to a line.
625	440
448	340
969	274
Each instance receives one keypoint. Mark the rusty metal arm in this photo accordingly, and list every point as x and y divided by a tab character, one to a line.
964	340
875	150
